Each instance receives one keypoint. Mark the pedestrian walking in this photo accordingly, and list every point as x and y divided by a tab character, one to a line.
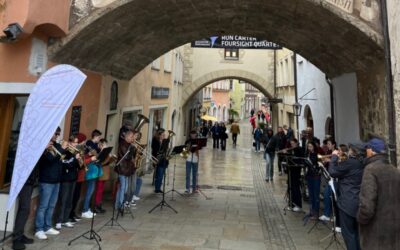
257	138
223	136
235	130
215	135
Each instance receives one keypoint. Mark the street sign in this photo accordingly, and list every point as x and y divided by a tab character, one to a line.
235	41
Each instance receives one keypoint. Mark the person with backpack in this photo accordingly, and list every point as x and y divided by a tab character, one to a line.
257	138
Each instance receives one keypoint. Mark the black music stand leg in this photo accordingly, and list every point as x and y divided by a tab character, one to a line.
163	203
333	234
112	221
92	235
173	184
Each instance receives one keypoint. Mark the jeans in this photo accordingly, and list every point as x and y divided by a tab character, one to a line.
313	184
48	193
65	199
24	207
257	147
327	201
234	138
75	199
191	167
350	232
215	142
123	187
223	144
270	165
160	170
90	185
139	182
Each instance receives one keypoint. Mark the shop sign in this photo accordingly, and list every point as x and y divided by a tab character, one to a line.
235	41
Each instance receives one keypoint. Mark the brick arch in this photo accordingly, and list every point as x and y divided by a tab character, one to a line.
120	39
257	81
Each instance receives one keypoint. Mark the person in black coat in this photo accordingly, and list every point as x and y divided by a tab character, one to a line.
269	154
215	130
223	136
349	173
281	145
295	174
24	208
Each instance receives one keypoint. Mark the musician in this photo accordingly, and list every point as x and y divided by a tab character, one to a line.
327	212
70	166
281	145
192	162
92	150
50	171
24	208
106	165
295	175
313	178
140	171
162	164
126	168
349	173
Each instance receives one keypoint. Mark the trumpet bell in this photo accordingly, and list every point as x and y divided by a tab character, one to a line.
141	121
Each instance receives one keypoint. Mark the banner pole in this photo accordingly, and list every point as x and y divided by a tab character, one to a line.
5	232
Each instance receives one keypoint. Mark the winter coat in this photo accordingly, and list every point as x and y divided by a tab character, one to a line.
127	165
70	168
379	212
349	174
50	166
235	129
258	134
215	131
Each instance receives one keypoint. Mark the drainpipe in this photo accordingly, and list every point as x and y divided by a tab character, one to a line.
295	91
329	82
389	86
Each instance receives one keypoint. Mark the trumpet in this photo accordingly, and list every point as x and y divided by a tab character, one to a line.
55	152
323	157
185	153
285	150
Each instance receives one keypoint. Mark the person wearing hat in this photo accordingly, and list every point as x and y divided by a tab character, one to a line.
379	213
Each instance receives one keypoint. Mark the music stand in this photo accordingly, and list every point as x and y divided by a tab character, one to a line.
114	220
163	203
175	151
289	162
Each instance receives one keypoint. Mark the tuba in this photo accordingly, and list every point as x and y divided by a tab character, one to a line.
142	120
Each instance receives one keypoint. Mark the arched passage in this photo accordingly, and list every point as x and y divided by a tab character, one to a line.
135	32
257	81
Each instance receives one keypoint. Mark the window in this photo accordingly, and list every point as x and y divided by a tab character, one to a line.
114	96
38	58
156	64
13	120
231	84
167	62
231	54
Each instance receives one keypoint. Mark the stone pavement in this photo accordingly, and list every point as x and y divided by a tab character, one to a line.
236	209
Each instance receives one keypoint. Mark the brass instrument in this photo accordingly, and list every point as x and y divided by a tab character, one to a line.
55	152
141	148
185	153
142	120
285	150
323	157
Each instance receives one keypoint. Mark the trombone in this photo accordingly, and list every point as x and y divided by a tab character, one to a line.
55	152
142	150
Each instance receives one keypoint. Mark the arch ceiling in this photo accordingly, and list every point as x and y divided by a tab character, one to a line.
122	38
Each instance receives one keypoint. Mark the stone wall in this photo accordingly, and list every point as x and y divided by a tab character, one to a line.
372	102
393	8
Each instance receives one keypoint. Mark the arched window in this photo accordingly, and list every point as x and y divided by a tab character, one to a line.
308	117
114	96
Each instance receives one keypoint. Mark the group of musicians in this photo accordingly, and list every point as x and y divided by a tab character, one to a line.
341	165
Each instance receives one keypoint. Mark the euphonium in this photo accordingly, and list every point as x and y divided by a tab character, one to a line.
141	121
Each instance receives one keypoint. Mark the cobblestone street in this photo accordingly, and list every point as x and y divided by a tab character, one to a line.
236	209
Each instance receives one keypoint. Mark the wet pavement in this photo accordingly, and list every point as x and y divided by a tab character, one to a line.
236	209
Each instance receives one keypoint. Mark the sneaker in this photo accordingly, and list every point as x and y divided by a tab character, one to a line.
40	235
99	209
127	204
132	203
267	180
52	231
68	224
324	218
297	209
26	240
135	198
195	191
187	191
74	220
18	245
338	229
58	226
87	215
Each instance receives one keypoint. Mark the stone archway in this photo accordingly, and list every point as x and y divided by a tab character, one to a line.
135	32
257	81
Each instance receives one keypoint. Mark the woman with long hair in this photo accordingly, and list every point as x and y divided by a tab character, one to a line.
313	177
